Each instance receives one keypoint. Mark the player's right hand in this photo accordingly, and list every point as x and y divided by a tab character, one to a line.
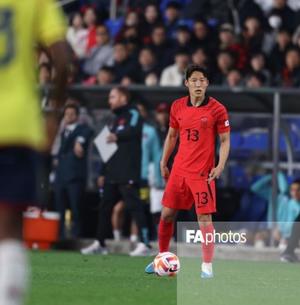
165	173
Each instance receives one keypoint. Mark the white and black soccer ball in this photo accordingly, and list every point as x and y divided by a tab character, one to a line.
166	264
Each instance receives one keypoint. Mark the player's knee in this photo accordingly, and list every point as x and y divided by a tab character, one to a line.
168	215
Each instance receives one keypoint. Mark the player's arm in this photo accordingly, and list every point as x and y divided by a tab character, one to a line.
169	146
60	59
50	29
223	156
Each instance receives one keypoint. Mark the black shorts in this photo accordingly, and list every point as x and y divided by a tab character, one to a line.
18	177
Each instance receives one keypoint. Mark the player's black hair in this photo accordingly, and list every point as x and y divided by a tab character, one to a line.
72	105
192	68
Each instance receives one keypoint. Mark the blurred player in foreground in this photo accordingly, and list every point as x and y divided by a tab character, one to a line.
23	25
197	119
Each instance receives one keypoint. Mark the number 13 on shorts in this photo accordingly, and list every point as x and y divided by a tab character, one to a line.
204	196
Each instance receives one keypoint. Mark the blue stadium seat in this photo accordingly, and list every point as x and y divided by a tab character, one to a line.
238	177
255	141
114	26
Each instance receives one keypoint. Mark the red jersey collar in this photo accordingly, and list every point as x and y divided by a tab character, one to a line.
204	103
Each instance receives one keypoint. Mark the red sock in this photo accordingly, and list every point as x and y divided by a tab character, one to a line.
207	248
165	232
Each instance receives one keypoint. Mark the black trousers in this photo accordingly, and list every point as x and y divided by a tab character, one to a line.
112	194
71	193
295	236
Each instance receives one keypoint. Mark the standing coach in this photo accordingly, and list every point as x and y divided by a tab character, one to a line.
122	173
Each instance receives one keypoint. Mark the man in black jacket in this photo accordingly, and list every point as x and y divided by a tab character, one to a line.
71	169
122	173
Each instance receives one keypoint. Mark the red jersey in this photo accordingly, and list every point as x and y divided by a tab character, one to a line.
198	128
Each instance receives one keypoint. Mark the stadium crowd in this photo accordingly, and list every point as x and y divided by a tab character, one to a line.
242	43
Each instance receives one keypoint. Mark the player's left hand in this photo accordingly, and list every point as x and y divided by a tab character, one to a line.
215	173
111	138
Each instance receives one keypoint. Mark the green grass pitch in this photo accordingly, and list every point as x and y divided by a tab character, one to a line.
61	278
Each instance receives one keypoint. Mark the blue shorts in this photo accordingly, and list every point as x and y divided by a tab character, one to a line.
18	177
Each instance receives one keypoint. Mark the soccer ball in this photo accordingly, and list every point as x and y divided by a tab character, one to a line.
166	264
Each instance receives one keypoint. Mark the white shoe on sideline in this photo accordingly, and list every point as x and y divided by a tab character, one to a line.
141	250
94	248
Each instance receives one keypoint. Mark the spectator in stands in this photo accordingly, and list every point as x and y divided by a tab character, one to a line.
216	11
255	80
277	54
71	167
151	19
152	79
255	39
90	20
132	21
234	79
183	37
174	75
247	8
199	57
146	65
171	18
202	37
101	54
105	76
161	46
130	33
77	36
123	65
296	37
281	15
228	42
290	75
132	46
225	62
258	64
44	74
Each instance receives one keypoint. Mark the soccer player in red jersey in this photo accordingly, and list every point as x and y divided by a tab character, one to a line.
197	119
